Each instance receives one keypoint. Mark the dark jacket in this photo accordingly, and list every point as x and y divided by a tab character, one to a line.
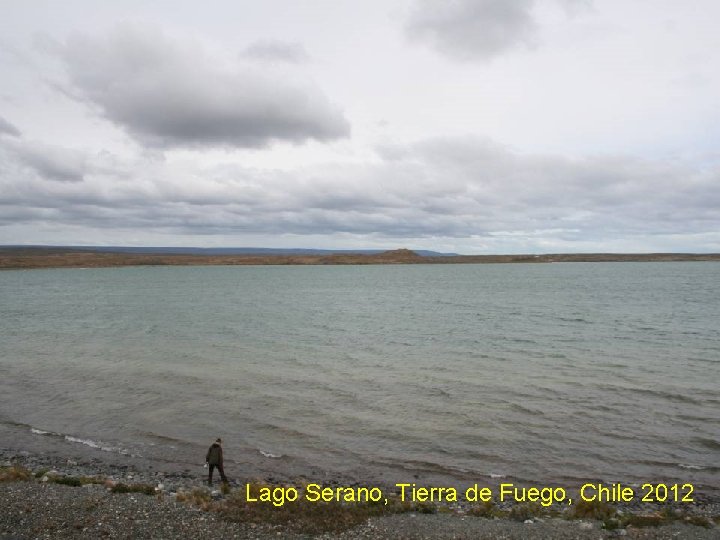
214	455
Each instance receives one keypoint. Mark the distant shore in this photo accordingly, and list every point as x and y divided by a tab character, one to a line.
48	257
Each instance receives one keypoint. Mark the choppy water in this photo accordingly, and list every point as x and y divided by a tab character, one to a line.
541	373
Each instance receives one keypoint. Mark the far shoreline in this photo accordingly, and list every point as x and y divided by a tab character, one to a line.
20	258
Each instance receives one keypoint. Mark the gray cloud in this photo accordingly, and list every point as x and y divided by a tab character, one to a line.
8	129
573	7
276	51
54	162
171	93
479	29
46	161
472	29
456	188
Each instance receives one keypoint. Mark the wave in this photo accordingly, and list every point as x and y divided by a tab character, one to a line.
430	467
574	320
42	432
697	418
671	465
13	423
98	445
437	392
526	410
693	467
270	455
164	438
712	444
670	396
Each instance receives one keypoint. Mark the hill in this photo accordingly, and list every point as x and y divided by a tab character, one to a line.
16	257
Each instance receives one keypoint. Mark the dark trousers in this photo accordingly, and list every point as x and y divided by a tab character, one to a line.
211	467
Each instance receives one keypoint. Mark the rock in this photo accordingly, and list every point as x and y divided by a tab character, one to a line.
528	522
586	526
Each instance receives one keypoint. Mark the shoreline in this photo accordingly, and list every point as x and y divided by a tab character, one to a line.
169	487
33	447
15	258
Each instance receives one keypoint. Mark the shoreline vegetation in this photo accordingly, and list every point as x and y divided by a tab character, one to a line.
46	496
14	258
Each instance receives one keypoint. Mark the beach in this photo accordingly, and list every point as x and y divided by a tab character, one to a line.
77	496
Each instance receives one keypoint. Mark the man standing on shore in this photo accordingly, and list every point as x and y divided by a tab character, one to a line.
214	458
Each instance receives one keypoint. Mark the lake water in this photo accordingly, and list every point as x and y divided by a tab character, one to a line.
460	373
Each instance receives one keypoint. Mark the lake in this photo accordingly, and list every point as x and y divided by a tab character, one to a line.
537	373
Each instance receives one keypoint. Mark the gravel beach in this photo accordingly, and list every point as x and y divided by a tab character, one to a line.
41	508
36	510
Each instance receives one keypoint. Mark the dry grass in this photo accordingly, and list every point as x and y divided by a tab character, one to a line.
591	510
700	521
15	473
199	497
66	481
300	516
486	509
523	511
303	516
145	489
643	520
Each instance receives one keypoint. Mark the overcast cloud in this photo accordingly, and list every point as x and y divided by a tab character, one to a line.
469	29
444	188
167	92
7	128
469	126
481	29
277	51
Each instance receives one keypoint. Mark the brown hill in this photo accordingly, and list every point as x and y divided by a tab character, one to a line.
23	257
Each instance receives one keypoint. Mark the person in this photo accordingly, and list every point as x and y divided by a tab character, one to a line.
214	458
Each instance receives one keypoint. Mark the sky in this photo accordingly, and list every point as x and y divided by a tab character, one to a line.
466	126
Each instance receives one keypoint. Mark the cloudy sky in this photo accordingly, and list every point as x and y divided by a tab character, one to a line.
471	126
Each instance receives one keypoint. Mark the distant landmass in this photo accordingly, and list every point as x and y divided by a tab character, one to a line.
221	251
17	257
